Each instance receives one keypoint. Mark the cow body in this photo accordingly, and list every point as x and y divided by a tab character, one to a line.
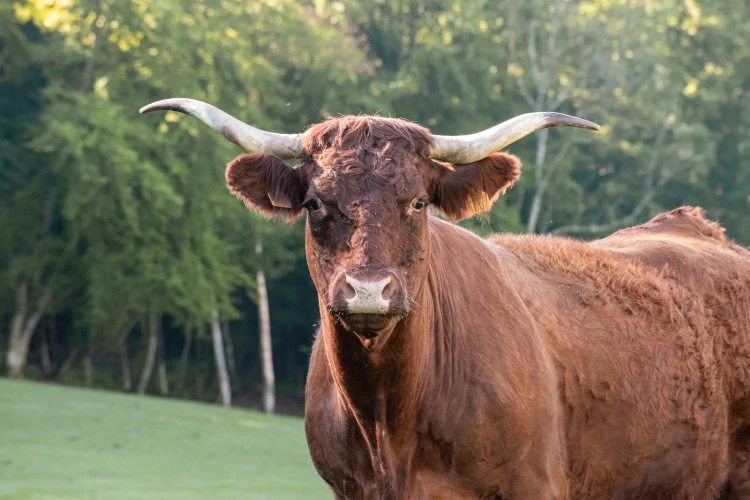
539	367
447	366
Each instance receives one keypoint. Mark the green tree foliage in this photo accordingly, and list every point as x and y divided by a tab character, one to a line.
109	218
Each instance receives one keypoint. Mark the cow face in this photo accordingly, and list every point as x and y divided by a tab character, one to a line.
367	186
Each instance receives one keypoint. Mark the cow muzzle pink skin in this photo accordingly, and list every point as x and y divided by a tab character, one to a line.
367	304
370	297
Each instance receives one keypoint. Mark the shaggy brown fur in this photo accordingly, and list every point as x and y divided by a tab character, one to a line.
517	367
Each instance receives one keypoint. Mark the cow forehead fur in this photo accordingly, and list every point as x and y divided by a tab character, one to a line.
368	132
366	160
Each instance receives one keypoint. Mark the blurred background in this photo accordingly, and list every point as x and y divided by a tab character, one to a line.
126	265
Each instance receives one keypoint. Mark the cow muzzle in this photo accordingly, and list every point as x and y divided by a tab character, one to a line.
370	297
368	304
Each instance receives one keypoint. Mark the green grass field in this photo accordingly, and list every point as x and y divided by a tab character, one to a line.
63	443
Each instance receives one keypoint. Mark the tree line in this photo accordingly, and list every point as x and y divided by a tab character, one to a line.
125	263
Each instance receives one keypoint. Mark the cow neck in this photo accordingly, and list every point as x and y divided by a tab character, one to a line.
383	390
380	391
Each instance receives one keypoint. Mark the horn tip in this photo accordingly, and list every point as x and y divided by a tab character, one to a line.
575	121
593	126
174	104
149	107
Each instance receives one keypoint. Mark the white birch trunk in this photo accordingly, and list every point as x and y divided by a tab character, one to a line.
16	360
148	366
269	382
163	381
22	328
229	349
24	321
541	184
221	364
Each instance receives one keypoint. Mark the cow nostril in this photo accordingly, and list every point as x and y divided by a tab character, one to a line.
389	289
348	291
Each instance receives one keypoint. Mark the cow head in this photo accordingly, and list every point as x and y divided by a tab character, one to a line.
366	184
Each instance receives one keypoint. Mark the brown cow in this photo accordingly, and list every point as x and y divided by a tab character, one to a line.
517	367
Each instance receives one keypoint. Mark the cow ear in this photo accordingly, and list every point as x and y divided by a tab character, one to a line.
460	191
267	185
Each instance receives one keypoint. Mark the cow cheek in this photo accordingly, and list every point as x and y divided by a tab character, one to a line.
413	271
322	271
413	263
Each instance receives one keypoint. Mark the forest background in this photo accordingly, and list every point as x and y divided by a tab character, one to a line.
125	264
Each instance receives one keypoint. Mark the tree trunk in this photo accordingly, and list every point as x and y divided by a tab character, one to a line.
541	184
16	359
65	368
16	352
127	378
16	356
22	328
221	365
184	360
88	370
153	343
122	347
44	351
269	383
229	348
163	381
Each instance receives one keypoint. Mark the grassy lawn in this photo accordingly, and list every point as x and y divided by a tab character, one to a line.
63	443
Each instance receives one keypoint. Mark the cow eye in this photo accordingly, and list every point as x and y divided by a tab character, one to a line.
314	204
418	204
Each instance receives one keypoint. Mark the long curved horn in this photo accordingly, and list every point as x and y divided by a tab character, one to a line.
470	148
285	146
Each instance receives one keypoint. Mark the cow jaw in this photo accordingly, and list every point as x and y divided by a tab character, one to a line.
372	330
